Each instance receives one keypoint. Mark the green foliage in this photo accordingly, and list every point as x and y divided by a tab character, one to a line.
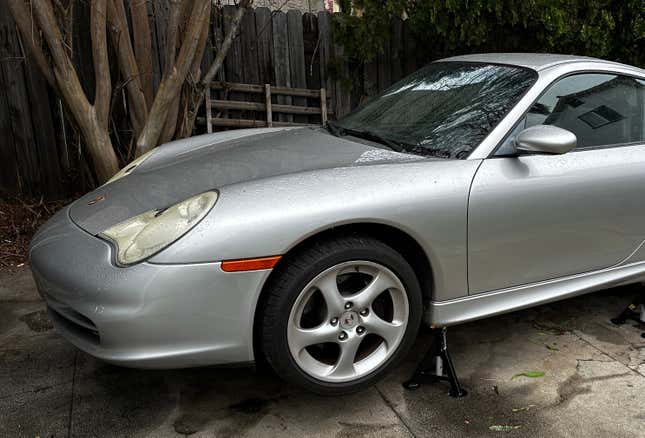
611	29
531	374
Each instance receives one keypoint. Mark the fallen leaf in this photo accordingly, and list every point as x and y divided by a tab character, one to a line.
526	408
503	428
551	347
531	374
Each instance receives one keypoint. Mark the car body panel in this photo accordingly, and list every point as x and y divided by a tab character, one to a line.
473	307
534	61
176	172
539	217
146	315
427	200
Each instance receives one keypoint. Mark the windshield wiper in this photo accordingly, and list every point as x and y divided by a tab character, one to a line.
339	131
373	136
334	129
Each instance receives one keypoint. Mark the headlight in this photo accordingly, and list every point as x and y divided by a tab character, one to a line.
144	235
129	168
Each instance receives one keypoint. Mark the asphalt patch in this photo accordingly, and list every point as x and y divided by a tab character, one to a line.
37	321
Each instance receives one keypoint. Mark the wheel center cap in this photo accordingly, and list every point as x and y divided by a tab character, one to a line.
348	320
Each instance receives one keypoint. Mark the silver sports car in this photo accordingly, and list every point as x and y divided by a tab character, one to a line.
478	185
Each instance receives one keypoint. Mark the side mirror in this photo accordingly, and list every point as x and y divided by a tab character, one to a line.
545	139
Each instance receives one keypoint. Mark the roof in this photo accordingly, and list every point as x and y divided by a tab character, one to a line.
535	61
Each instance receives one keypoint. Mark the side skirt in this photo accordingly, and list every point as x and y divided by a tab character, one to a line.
451	312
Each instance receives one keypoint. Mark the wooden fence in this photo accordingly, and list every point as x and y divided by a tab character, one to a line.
41	155
266	113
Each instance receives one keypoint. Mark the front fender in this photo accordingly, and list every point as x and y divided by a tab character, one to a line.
427	200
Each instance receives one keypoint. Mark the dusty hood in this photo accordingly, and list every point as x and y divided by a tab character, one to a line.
183	168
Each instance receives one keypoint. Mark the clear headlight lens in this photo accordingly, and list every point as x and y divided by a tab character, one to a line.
142	236
129	168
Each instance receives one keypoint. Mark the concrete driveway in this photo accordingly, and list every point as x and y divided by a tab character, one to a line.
593	384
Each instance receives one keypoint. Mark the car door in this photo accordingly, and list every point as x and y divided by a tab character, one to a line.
538	217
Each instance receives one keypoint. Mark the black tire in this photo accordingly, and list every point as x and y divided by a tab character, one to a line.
295	271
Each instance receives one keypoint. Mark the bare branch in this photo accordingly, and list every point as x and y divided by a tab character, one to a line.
69	30
21	15
191	87
142	46
214	68
103	89
170	85
226	44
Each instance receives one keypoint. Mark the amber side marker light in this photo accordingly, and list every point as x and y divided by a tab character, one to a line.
249	264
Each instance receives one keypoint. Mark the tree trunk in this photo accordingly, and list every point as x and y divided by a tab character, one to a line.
127	64
103	88
171	84
99	139
171	52
142	46
99	145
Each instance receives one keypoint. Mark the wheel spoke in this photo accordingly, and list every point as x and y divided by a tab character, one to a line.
300	338
329	289
345	364
379	284
389	331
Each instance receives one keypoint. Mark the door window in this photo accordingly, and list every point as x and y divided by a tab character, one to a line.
601	109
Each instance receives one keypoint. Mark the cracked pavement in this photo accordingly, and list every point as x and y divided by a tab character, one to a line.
593	383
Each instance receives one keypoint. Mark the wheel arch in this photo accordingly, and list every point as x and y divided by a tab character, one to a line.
399	240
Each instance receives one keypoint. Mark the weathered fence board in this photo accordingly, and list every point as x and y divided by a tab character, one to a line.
263	31
262	103
28	156
296	57
249	39
9	170
281	72
234	65
251	88
82	48
43	129
397	50
311	49
325	50
410	54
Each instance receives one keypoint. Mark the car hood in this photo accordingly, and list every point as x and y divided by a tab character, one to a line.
178	170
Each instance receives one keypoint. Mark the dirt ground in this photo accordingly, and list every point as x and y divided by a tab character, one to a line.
593	383
19	220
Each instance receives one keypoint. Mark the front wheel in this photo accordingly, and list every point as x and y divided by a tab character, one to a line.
340	314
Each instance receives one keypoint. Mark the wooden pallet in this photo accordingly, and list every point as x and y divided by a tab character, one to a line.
255	105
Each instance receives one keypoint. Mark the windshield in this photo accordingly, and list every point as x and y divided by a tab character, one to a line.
443	110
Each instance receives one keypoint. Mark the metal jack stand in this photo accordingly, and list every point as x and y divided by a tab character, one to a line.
634	311
431	368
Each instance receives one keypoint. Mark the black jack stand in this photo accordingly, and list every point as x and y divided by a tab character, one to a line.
634	311
431	368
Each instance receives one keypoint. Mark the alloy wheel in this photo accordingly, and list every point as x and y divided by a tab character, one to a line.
348	321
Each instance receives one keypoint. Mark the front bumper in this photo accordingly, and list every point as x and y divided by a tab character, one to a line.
147	315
